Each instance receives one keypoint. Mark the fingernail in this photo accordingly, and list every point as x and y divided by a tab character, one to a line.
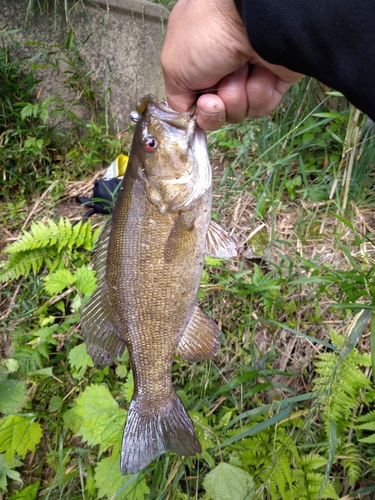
210	113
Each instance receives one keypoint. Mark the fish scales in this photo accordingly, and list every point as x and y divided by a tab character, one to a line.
148	282
159	308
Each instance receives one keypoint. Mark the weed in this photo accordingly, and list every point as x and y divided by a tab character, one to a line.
285	411
33	145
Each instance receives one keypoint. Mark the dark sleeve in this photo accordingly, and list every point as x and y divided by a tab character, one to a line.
331	40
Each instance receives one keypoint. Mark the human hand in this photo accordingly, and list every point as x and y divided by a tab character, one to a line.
207	51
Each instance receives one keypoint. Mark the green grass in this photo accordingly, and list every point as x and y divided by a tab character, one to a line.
285	410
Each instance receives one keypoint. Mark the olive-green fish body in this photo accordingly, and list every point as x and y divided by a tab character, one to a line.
149	264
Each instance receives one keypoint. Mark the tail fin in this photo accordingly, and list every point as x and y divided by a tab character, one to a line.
147	435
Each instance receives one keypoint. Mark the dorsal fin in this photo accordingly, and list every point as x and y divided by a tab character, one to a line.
103	343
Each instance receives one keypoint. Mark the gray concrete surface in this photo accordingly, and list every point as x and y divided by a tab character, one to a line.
122	52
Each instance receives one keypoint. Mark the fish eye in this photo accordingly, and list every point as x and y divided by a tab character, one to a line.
150	144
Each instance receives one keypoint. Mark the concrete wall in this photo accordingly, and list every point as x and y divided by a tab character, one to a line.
123	50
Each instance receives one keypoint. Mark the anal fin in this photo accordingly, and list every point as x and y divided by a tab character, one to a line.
201	339
219	243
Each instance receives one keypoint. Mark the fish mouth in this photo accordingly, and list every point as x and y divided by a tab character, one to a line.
162	111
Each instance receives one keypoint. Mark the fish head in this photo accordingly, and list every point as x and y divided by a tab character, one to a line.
172	156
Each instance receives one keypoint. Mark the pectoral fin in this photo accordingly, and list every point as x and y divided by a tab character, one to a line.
219	243
201	339
182	238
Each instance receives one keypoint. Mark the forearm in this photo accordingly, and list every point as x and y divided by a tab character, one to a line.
333	41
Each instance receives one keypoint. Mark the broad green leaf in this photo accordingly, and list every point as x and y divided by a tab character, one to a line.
121	371
76	303
12	395
43	372
80	360
18	435
55	404
72	421
85	280
28	493
343	220
227	482
119	487
212	261
11	365
331	455
60	305
204	432
129	387
5	472
46	322
57	281
184	397
102	420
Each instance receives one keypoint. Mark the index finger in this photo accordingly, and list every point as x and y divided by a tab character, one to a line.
179	97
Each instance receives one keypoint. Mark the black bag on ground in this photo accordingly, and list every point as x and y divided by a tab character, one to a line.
104	197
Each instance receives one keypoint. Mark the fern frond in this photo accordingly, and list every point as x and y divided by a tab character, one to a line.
312	462
78	235
275	453
362	359
65	233
23	263
367	417
283	474
314	481
50	244
369	439
49	233
351	463
337	339
90	238
368	424
41	235
340	382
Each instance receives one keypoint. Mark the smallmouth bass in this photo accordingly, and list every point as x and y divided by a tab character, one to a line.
149	263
